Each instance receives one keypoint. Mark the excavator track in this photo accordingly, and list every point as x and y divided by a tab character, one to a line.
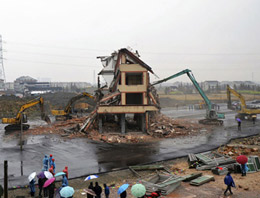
15	127
211	122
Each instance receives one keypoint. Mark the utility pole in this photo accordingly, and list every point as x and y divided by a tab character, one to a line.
5	179
2	71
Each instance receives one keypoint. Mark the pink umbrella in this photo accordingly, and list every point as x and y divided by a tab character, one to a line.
48	182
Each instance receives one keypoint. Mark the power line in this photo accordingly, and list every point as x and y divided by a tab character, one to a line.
49	63
46	54
58	47
203	54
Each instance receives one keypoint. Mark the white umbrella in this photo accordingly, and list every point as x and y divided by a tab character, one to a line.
31	176
48	174
91	177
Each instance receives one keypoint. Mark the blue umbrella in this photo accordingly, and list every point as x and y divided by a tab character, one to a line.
59	174
238	120
67	191
122	188
91	177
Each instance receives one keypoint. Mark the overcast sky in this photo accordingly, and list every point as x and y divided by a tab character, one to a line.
60	39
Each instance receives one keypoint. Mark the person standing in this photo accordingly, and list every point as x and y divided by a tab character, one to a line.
53	165
91	187
64	181
123	194
239	124
51	170
243	169
32	187
50	160
97	190
253	118
45	190
228	180
66	172
40	183
51	190
107	191
45	162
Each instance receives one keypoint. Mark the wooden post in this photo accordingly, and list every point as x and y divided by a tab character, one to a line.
122	123
21	168
5	179
100	124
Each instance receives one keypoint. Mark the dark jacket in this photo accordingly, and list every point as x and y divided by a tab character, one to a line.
107	192
229	180
123	194
92	188
98	190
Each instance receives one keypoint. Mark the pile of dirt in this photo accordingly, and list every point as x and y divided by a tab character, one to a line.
163	126
244	146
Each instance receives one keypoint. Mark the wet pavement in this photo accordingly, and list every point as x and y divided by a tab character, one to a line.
84	156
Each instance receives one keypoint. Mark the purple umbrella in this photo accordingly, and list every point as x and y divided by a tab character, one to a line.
238	120
41	175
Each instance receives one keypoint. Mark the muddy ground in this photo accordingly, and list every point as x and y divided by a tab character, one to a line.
246	187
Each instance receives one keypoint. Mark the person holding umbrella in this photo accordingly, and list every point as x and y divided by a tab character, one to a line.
32	187
51	189
122	190
228	180
238	124
242	159
40	182
123	194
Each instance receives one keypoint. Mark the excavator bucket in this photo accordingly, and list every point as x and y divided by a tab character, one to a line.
46	118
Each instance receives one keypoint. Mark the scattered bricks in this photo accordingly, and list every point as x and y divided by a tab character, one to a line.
254	149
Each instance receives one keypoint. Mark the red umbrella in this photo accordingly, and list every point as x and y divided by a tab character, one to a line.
242	159
48	182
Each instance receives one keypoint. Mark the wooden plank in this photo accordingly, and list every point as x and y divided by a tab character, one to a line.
202	180
192	176
147	167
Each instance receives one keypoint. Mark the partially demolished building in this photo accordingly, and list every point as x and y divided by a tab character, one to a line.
127	91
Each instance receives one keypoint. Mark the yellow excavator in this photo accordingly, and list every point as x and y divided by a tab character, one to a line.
65	114
15	123
244	112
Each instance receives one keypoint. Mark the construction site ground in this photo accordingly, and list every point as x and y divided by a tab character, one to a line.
247	186
90	152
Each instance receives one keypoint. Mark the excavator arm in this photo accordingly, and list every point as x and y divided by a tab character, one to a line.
15	123
238	95
244	112
211	113
68	109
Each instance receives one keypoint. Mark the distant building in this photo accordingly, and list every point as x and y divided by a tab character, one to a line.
207	85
